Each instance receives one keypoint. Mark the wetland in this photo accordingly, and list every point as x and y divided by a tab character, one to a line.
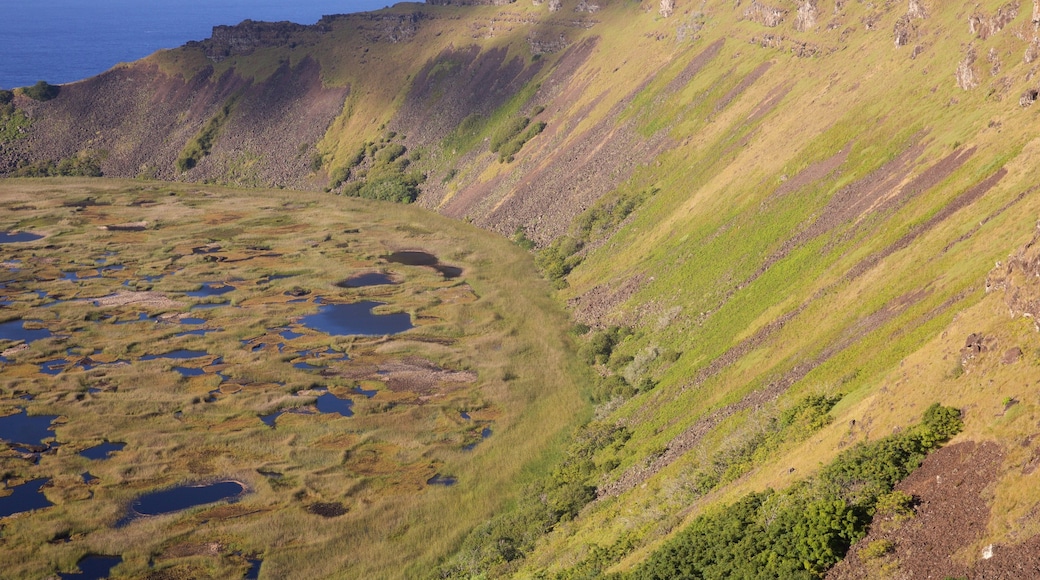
342	383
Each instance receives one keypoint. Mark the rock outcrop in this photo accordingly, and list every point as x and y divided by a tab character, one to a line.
1019	279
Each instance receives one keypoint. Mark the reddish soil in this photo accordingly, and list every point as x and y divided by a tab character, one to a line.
950	516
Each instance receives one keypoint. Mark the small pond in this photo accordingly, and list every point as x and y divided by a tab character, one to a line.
25	429
26	497
53	367
254	569
102	451
211	289
15	330
184	497
356	319
177	354
192	321
189	371
445	480
93	567
365	280
15	237
329	403
367	393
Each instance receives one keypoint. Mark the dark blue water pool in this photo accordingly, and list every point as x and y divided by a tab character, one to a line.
329	403
365	280
102	451
25	429
211	289
15	237
177	354
184	497
254	569
53	367
93	567
26	497
192	321
15	330
367	393
189	372
445	480
356	319
271	418
289	334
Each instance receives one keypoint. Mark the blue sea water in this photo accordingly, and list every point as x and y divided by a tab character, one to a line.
62	41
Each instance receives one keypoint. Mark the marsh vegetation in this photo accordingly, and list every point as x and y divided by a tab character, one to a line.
194	348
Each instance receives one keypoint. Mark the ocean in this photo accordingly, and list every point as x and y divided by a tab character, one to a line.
62	41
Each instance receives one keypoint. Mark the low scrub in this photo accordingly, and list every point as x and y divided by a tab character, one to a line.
802	531
202	143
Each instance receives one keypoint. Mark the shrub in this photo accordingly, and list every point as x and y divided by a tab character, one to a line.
6	97
202	143
804	530
876	549
42	91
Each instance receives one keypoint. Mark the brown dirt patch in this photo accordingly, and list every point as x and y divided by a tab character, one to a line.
149	299
593	307
412	374
950	516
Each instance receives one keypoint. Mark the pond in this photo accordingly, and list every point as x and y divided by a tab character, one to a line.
26	497
445	480
16	237
365	280
15	330
25	429
184	497
329	403
102	451
189	371
211	289
356	319
177	354
93	567
53	367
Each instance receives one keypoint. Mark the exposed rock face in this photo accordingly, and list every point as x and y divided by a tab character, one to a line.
248	36
555	5
967	78
985	26
915	10
764	15
469	2
667	7
807	14
1019	279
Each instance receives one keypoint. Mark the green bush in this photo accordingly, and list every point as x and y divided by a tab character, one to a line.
42	91
494	547
6	97
202	143
804	530
507	133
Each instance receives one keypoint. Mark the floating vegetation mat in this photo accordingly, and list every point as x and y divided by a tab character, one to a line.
216	341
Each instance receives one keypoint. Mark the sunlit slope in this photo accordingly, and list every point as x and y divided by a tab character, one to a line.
824	225
780	200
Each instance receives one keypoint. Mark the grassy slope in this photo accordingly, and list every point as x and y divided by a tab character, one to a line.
714	223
